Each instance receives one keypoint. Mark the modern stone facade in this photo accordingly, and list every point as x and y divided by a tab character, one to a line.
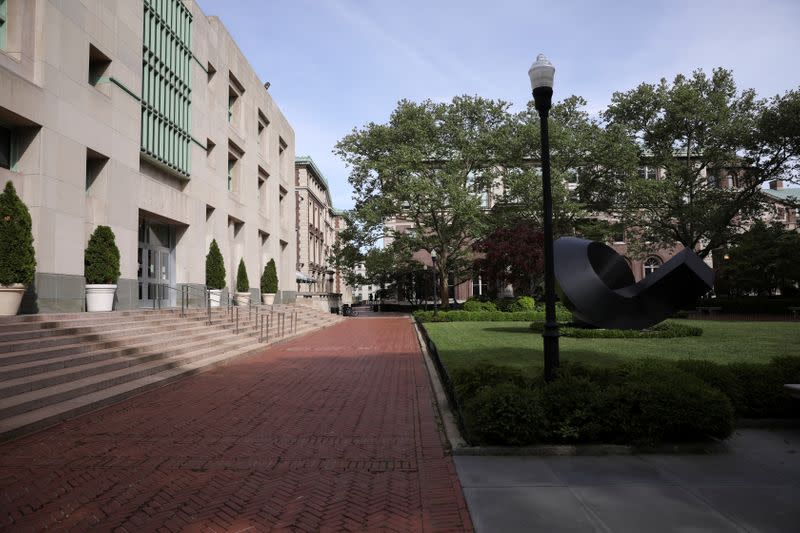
214	159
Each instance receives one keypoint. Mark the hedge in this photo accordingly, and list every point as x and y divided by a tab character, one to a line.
665	330
562	315
751	305
643	402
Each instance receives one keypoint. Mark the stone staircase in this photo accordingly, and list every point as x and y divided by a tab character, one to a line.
56	366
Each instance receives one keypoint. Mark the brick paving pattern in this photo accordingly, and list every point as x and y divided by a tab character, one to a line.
334	431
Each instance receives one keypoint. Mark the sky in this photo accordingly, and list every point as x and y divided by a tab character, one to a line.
335	65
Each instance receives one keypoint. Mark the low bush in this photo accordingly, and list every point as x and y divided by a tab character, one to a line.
635	403
474	304
506	414
751	304
489	316
665	330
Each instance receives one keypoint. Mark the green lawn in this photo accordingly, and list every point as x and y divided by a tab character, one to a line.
463	344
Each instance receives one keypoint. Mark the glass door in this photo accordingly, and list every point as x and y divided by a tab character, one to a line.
155	265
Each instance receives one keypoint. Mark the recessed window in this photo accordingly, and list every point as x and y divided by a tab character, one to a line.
211	71
262	189
235	91
95	164
232	161
5	147
209	147
282	203
99	64
262	134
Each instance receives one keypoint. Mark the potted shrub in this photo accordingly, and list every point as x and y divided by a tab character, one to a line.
269	283
17	259
242	285
215	274
101	268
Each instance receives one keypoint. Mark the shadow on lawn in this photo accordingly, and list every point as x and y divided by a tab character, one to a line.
521	358
515	329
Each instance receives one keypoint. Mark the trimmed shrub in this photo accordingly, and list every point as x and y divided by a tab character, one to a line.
478	316
17	258
101	258
751	304
524	303
660	403
761	391
242	283
721	377
572	407
215	267
476	305
506	414
467	381
269	279
665	330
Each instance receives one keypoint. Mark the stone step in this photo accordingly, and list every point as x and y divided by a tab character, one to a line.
54	413
42	397
73	372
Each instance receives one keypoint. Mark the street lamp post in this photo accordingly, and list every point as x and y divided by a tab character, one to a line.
541	74
435	287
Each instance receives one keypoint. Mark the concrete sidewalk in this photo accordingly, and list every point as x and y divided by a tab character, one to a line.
332	431
755	487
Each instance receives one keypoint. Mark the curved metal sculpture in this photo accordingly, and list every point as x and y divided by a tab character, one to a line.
597	285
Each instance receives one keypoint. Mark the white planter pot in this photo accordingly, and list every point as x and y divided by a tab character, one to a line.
100	297
267	298
10	298
215	297
242	298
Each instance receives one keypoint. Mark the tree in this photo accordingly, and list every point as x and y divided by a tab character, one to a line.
429	165
215	267
699	130
101	258
269	279
242	283
17	257
761	260
514	256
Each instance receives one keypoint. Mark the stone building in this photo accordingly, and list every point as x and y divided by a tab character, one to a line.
142	115
315	226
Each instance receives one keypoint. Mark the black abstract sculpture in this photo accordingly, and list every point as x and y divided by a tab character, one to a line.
597	285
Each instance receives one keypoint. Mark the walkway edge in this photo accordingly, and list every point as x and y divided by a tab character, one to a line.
451	431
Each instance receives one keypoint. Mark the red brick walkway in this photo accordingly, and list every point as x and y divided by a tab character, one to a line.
334	431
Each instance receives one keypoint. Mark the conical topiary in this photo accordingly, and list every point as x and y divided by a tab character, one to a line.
101	259
17	258
215	267
269	279
242	283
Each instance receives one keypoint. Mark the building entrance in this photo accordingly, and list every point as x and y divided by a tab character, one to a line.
156	247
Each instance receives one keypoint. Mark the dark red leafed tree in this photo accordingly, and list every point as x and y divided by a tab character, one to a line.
513	255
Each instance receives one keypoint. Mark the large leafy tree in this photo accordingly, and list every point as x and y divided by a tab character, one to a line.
761	260
429	165
699	129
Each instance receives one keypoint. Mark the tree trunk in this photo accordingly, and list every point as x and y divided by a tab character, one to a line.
444	294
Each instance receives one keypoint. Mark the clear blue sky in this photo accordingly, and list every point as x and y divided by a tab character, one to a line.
338	64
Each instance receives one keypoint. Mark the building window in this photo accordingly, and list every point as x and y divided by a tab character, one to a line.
262	189
99	64
478	284
3	23
282	204
211	71
651	264
235	91
95	163
232	170
262	134
647	173
5	147
167	83
732	181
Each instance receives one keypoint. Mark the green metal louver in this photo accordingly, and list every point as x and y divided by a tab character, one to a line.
3	17
167	83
